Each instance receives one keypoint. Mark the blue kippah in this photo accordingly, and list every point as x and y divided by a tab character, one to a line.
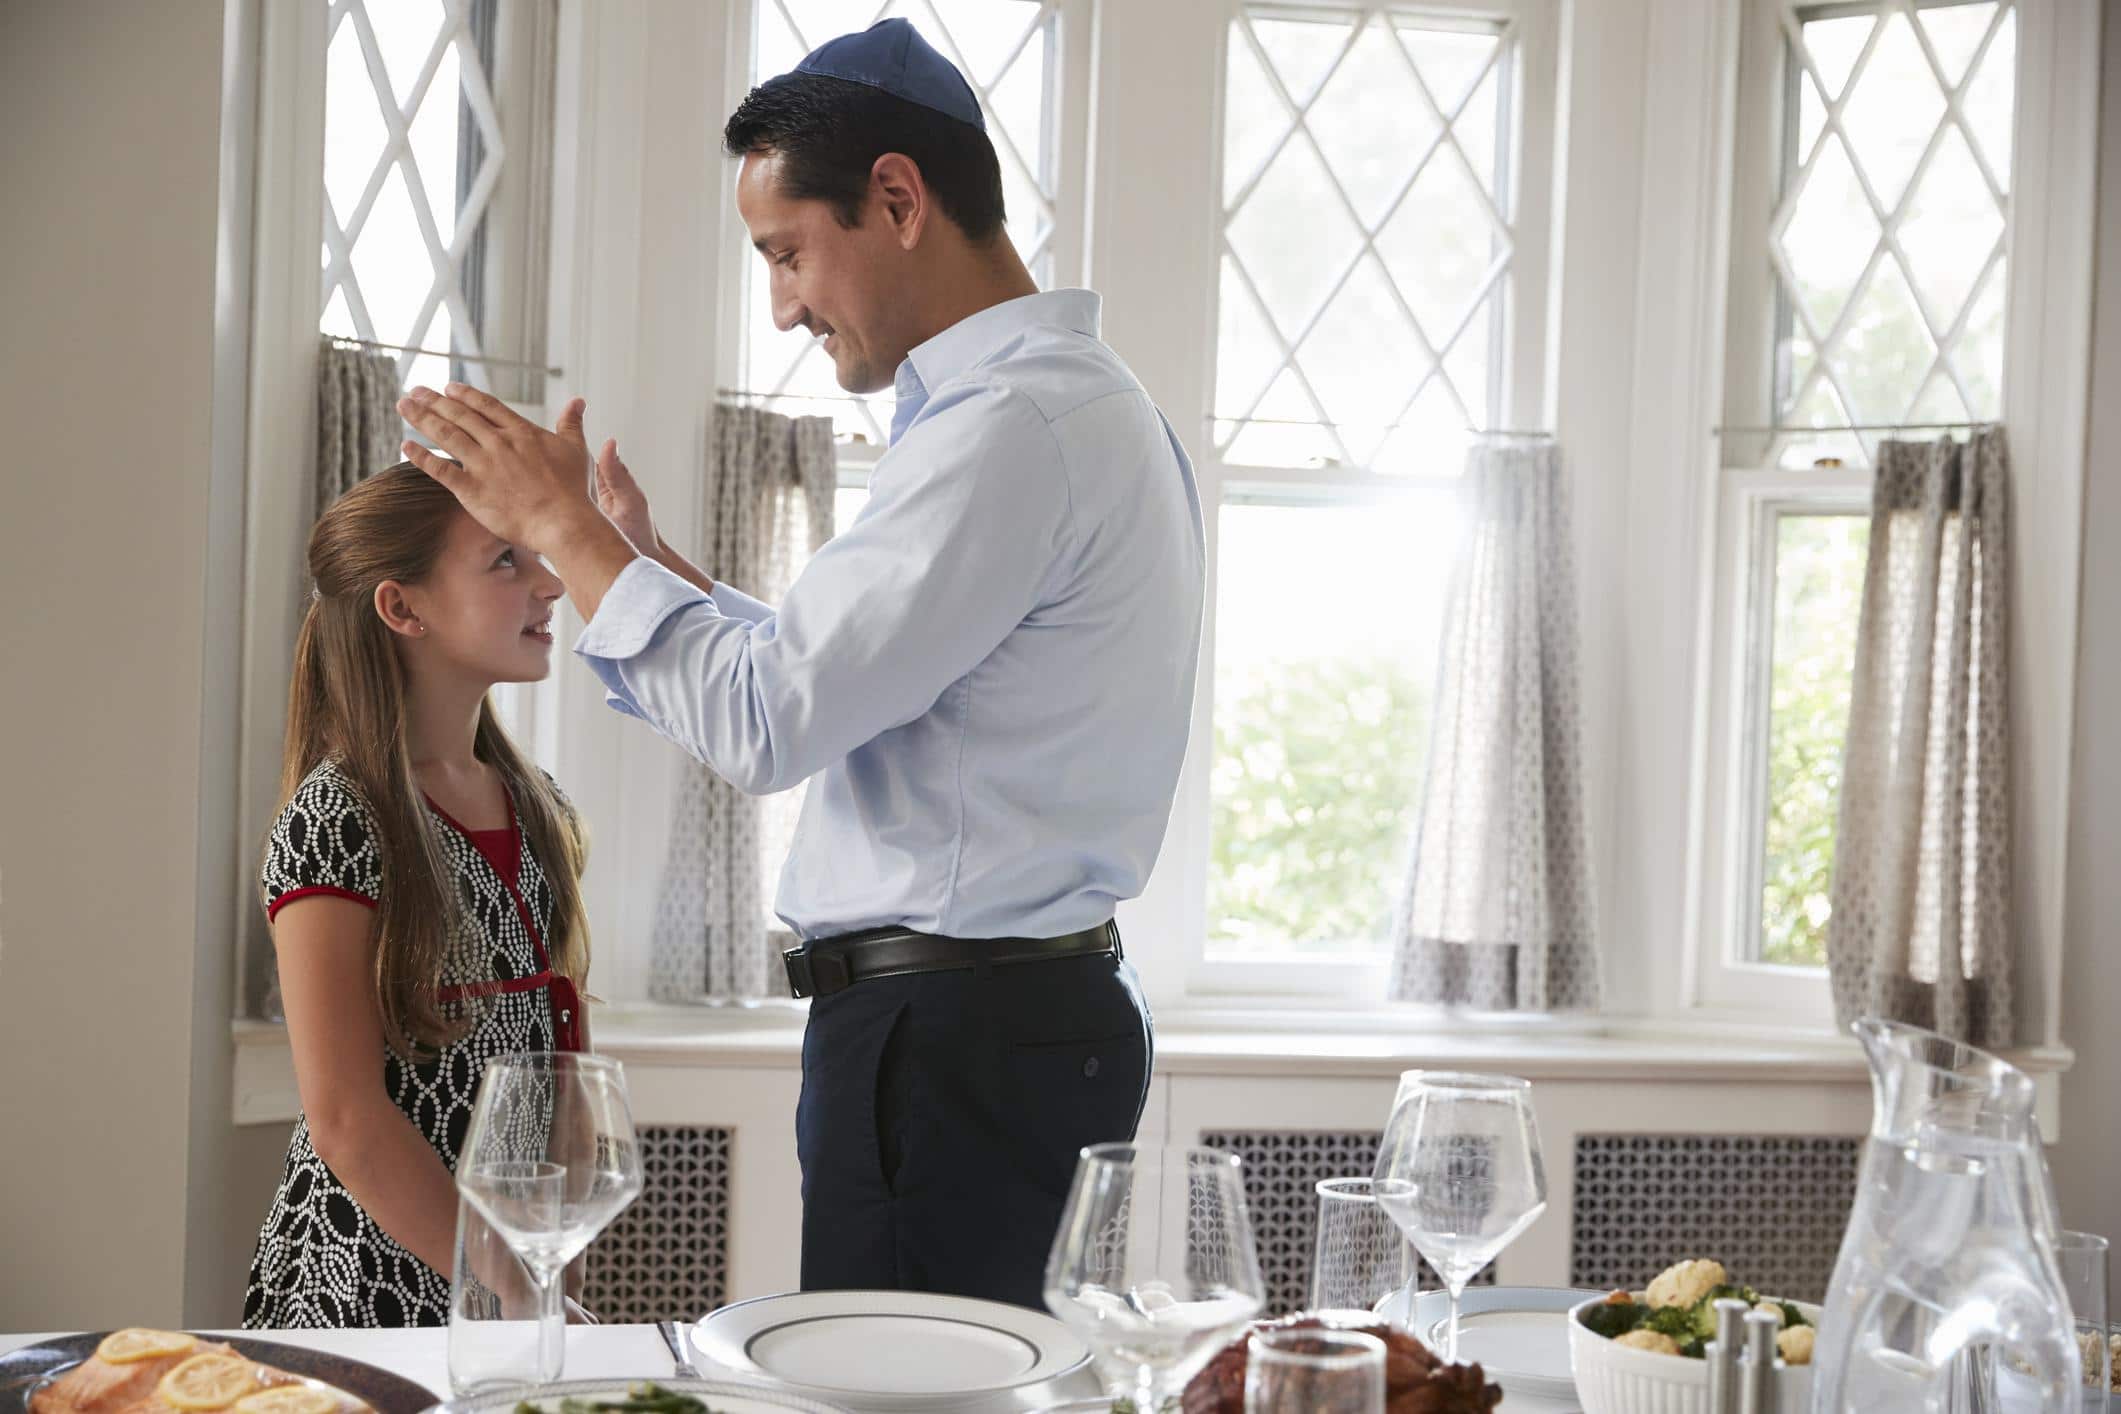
891	56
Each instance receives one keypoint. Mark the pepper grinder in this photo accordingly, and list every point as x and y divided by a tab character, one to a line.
1757	1391
1722	1356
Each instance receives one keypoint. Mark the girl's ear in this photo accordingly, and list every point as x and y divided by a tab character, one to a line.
396	611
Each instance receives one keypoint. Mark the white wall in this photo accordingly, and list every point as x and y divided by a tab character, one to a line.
126	1194
2088	1163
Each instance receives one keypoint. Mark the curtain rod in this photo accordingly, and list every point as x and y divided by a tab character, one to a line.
1857	427
804	397
1389	427
443	353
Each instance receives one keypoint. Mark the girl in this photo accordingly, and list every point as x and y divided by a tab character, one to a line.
423	886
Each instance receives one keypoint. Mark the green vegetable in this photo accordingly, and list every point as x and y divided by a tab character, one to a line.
644	1398
1791	1316
1674	1321
1613	1319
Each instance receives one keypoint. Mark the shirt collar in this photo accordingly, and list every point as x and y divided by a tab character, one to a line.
965	343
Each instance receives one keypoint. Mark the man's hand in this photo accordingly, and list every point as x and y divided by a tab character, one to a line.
521	482
620	497
524	484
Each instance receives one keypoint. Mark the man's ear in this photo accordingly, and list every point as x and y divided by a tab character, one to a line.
396	611
898	187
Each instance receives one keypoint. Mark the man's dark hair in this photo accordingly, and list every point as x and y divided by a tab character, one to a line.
829	133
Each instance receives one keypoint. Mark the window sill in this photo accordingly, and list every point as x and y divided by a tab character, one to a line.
1234	1041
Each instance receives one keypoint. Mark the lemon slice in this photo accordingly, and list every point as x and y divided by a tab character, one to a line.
289	1399
136	1343
211	1381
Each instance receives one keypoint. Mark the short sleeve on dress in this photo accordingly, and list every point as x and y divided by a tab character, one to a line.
323	843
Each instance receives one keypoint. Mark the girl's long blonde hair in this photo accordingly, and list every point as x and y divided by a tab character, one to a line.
347	704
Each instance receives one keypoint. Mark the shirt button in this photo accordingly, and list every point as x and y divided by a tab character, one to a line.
1090	1068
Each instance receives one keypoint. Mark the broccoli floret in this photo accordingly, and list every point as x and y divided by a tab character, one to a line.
1674	1321
1695	1349
1791	1316
1613	1319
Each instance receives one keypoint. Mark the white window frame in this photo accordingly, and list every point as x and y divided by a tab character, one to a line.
2045	391
1307	979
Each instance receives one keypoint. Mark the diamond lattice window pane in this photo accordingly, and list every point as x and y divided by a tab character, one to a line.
1359	357
1891	193
1989	98
1478	130
1830	235
1955	33
1885	350
1370	124
1302	51
353	128
1248	351
435	138
1368	219
1294	236
1893	110
1835	44
405	32
1254	117
1441	245
1951	229
1450	61
391	263
410	127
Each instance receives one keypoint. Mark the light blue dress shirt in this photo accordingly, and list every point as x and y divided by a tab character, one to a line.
988	677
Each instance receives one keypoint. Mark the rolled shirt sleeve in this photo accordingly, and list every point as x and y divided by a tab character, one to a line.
967	524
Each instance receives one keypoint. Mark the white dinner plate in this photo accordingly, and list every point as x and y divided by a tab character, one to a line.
719	1396
888	1350
1518	1334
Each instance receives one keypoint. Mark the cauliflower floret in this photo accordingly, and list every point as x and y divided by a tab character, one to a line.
1770	1308
1795	1345
1656	1342
1685	1283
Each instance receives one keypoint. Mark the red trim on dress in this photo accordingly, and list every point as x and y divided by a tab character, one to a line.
560	996
272	910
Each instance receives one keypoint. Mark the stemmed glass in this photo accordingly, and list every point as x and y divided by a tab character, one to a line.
1154	1263
550	1157
1459	1171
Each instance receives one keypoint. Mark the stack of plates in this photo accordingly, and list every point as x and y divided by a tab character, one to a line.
896	1350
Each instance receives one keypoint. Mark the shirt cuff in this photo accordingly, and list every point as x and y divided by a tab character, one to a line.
639	600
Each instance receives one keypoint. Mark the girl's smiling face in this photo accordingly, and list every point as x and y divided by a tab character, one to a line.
485	610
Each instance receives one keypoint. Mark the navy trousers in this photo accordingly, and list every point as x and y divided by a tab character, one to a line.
941	1115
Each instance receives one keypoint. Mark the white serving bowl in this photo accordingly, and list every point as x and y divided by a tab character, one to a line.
1618	1379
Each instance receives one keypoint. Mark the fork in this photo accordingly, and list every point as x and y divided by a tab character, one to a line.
675	1341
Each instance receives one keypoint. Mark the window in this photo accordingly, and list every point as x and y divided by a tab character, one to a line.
434	183
1009	51
1380	299
1879	136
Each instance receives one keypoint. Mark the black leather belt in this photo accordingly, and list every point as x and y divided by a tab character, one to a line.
827	965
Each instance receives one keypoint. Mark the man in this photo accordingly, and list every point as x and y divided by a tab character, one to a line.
987	679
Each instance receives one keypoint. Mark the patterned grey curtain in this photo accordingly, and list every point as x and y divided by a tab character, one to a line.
1496	910
1922	862
358	428
770	485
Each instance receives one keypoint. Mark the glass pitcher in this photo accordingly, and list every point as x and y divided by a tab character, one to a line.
1946	1298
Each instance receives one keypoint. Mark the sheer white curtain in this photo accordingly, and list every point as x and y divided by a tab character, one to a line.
1922	865
770	485
1496	910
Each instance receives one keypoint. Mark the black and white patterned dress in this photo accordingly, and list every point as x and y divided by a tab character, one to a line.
321	1261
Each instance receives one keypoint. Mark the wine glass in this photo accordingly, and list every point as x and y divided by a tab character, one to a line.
1154	1263
550	1157
1459	1171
